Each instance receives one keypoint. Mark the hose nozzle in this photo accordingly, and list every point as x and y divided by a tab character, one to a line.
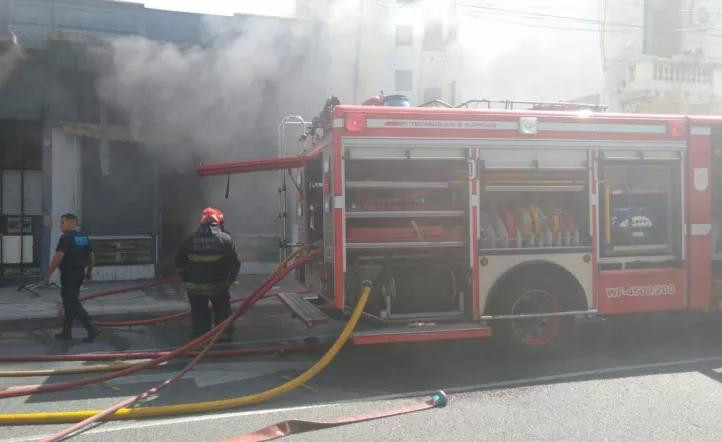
439	399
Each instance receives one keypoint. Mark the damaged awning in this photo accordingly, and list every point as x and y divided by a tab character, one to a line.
107	132
111	132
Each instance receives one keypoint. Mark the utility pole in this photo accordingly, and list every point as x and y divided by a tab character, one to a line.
357	60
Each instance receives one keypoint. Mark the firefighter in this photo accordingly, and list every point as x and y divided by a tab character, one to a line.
75	259
208	264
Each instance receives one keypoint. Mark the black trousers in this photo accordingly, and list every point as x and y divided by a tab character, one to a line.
201	314
70	283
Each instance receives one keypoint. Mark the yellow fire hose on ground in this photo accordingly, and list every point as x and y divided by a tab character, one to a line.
205	406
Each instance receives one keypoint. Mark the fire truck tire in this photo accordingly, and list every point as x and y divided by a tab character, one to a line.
533	292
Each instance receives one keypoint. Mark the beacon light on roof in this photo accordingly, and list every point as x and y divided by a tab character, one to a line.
355	122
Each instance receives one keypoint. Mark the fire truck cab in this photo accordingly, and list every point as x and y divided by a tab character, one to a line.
476	222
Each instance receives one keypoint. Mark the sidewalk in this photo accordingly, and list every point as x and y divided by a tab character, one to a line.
23	306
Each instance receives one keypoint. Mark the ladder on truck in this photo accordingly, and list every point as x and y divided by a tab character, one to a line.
285	222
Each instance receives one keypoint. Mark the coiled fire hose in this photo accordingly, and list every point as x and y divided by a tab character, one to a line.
206	406
273	279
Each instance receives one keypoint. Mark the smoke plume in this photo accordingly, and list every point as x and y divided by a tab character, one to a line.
218	102
10	57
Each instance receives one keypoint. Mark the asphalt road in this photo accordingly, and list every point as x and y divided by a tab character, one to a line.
627	380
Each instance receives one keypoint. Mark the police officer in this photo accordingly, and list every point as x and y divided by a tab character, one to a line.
208	264
75	259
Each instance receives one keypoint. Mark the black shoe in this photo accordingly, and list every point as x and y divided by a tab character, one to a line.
92	334
63	336
224	338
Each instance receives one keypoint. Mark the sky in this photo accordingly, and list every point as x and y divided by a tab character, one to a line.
225	7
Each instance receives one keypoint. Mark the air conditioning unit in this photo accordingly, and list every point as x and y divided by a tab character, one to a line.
706	14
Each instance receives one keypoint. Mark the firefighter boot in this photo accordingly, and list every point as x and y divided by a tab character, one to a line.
227	335
92	334
90	328
66	333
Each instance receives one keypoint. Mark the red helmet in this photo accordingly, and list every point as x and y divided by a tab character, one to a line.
377	100
211	215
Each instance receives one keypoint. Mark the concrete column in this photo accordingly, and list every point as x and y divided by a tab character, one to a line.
65	179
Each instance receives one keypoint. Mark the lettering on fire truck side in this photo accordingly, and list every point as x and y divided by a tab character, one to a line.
641	290
440	124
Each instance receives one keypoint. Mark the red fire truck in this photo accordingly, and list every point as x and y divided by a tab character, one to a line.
506	222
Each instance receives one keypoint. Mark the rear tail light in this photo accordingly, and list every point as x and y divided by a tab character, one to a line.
355	122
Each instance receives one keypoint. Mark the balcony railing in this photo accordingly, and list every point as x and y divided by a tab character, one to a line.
678	72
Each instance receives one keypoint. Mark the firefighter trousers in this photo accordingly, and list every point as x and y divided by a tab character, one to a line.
70	283
201	314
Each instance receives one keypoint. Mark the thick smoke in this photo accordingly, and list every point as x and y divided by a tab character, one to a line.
532	57
223	101
10	57
219	102
209	98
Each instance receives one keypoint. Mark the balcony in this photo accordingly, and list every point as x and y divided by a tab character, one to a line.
655	84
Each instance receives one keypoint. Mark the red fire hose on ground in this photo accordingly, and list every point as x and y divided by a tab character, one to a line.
247	304
126	289
172	316
131	355
290	427
131	288
61	386
147	321
121	409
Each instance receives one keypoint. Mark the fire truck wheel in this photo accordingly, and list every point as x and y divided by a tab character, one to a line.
534	293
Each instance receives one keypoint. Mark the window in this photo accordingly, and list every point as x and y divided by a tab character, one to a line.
404	80
123	250
404	35
662	21
640	208
431	94
434	36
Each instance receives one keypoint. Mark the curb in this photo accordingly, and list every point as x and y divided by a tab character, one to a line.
122	313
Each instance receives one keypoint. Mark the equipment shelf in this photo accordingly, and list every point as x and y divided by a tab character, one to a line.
396	185
357	214
403	245
536	188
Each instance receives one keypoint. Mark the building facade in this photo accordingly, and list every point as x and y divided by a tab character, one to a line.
663	55
395	47
89	127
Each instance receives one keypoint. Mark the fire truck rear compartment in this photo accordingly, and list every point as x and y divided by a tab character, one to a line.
408	220
716	184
